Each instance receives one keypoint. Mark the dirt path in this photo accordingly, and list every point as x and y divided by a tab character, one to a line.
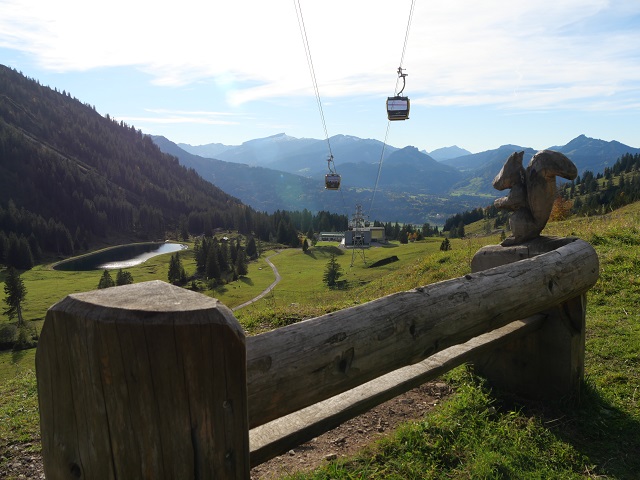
268	289
355	434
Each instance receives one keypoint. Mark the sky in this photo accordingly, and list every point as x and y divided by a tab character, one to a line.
480	74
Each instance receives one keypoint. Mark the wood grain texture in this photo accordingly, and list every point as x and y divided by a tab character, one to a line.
142	381
296	366
281	435
547	365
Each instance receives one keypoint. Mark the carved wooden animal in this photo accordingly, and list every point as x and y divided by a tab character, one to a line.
533	191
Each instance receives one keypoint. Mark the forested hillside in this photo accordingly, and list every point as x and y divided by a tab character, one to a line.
71	179
595	194
589	194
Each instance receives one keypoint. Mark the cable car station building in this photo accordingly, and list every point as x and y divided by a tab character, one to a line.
364	236
361	233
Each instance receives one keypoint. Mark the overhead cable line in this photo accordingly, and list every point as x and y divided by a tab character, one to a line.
400	75
307	51
375	188
330	162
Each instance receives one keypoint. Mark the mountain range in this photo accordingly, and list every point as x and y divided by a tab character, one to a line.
299	183
393	184
65	168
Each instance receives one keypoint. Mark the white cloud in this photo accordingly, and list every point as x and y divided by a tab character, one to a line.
518	54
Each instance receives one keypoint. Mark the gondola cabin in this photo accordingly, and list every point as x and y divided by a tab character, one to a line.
332	181
398	108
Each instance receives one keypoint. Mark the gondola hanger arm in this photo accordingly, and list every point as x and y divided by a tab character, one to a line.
402	75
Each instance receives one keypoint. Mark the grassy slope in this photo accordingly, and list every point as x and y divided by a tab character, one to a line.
481	434
478	433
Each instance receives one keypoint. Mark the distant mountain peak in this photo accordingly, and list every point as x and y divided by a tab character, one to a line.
582	141
340	138
447	153
409	148
282	136
278	137
509	146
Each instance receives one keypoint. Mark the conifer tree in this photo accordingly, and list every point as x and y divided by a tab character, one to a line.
223	257
183	276
282	233
234	248
201	251
213	267
332	272
175	269
241	263
124	278
106	281
251	250
15	293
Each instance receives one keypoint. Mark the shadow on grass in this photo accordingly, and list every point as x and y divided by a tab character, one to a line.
246	280
17	356
384	261
341	285
606	435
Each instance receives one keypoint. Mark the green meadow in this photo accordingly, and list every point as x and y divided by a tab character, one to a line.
477	432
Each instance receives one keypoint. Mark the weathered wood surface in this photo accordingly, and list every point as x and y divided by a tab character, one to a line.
281	435
491	256
296	366
548	364
142	381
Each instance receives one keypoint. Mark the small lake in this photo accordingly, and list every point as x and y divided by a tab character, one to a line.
122	256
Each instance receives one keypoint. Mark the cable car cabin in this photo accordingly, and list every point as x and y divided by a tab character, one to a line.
398	108
332	181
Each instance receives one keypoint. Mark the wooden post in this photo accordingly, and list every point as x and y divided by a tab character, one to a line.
546	364
142	381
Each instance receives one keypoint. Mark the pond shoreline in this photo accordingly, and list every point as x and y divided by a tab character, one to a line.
118	256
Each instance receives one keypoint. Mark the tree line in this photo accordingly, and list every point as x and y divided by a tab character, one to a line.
222	261
407	231
70	178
